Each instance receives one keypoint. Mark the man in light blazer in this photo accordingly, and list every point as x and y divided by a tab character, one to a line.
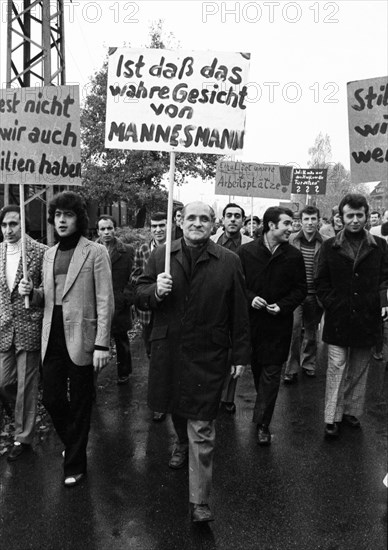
78	307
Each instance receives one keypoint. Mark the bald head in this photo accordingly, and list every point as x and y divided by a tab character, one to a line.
198	219
203	204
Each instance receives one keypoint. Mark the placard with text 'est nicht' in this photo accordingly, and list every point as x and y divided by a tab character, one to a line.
40	136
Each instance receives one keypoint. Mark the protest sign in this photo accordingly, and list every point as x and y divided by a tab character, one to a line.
39	136
368	125
164	100
249	179
309	181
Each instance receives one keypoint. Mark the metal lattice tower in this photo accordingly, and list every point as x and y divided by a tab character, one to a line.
35	51
35	43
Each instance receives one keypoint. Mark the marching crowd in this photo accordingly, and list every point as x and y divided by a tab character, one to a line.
251	292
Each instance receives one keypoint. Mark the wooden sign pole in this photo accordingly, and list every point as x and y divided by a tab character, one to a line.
170	211
23	240
251	231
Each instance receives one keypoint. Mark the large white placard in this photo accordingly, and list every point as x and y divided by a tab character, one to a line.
167	100
368	129
40	136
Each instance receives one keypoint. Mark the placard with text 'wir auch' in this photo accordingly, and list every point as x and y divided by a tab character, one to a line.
184	101
368	129
40	136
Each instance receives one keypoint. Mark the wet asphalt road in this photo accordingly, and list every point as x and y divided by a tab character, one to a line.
302	492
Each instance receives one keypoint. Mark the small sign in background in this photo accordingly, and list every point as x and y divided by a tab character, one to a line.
248	179
309	181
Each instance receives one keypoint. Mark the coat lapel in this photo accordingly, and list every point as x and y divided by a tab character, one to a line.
29	260
176	249
80	255
3	279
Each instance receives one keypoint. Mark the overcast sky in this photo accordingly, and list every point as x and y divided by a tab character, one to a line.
302	56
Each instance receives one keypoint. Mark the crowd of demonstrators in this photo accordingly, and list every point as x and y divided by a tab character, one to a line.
308	314
228	301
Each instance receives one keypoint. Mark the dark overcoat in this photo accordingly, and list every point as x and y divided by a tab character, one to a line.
193	328
278	278
349	290
121	257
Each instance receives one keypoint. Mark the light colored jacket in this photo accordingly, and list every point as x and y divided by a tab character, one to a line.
87	300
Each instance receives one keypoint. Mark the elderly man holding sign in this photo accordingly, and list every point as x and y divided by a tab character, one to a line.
199	312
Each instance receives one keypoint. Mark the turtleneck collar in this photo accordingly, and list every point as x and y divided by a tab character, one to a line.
67	243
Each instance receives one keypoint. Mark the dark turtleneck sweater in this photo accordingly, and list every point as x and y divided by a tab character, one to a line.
62	261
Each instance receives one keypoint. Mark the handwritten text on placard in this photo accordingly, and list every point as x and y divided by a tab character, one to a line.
368	129
39	136
175	100
251	180
309	181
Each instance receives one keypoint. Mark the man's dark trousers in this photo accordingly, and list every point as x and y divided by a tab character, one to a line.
71	420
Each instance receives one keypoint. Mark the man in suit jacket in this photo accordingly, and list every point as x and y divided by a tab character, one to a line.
199	312
121	257
20	329
78	308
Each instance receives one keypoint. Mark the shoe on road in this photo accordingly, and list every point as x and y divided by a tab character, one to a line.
201	513
17	451
179	457
263	435
351	420
289	379
331	430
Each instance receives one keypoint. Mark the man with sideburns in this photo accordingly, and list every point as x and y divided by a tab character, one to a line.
276	284
20	330
78	301
351	283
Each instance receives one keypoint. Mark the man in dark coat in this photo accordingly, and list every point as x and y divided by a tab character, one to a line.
199	312
352	271
121	257
276	282
233	217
